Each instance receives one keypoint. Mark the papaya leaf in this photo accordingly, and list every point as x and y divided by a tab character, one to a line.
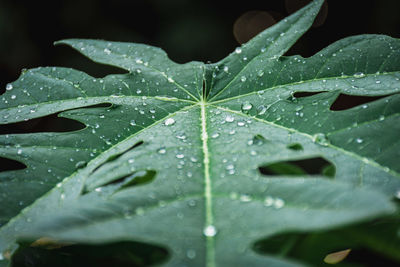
201	161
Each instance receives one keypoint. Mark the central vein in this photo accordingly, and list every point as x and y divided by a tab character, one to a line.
209	229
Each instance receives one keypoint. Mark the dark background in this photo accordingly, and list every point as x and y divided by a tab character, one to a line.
187	30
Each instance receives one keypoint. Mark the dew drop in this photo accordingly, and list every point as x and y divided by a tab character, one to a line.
260	73
261	110
245	198
381	118
19	151
13	96
268	201
226	69
377	82
139	211
279	203
191	253
230	167
80	164
9	87
161	150
132	122
210	231
359	140
359	74
320	139
170	80
215	135
229	118
240	123
180	156
181	136
169	121
243	78
246	106
107	51
238	50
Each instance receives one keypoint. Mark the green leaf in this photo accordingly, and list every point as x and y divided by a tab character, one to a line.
176	156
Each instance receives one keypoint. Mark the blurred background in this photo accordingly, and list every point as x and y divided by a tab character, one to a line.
188	30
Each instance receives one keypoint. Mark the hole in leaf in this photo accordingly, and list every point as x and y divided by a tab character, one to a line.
10	165
311	166
50	123
116	156
297	246
137	178
305	94
344	102
122	254
259	139
295	147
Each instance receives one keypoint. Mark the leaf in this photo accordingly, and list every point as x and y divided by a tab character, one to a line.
175	156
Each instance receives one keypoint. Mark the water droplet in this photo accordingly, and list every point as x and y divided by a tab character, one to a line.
230	167
13	96
381	118
260	73
162	150
240	123
169	121
80	164
193	159
170	80
139	211
139	61
191	253
19	151
229	118
132	122
215	135
238	50
359	74
245	198
180	156
181	135
268	201
359	140
130	161
226	69
9	87
243	78
98	189
261	110
107	51
320	139
246	106
278	203
253	152
210	231
192	203
377	82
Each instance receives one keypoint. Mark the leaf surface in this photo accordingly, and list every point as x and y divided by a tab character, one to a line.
205	159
